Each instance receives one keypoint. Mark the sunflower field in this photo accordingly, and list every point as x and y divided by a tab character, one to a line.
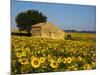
35	55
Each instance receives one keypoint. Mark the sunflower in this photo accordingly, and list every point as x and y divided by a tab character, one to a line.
80	58
27	49
20	51
73	58
54	64
35	63
49	58
87	67
32	57
19	60
94	54
68	60
74	68
42	59
93	64
24	53
24	61
18	54
59	60
64	60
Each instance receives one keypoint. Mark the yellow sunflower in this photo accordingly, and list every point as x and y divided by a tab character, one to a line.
27	49
49	58
32	57
20	51
64	60
68	60
94	54
24	61
54	64
42	59
93	64
80	58
74	68
87	67
19	60
73	58
24	53
59	60
35	63
18	54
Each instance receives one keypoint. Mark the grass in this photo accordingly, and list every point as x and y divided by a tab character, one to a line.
81	36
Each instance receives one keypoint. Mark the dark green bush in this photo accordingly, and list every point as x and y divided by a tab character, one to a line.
68	37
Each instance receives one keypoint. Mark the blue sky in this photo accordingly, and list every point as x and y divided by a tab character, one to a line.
65	16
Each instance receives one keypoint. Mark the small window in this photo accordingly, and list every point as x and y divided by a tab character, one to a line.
51	34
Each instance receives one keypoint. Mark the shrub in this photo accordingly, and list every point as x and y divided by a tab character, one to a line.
68	37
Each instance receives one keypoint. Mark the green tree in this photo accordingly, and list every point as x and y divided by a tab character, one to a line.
26	19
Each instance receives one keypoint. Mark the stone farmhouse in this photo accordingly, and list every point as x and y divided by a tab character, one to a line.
47	30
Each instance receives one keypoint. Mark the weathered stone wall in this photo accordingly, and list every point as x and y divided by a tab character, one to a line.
36	31
47	30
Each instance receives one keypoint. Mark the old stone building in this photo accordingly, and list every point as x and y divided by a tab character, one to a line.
47	30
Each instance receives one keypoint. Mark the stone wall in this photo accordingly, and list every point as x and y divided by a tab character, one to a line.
47	30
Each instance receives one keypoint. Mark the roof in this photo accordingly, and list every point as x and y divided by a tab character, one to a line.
38	25
46	24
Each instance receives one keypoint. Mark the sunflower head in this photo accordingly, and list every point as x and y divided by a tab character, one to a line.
93	64
42	59
23	53
48	55
20	51
24	61
87	67
19	60
80	58
64	60
68	60
49	58
32	57
18	54
74	68
27	49
54	64
35	63
59	60
73	58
